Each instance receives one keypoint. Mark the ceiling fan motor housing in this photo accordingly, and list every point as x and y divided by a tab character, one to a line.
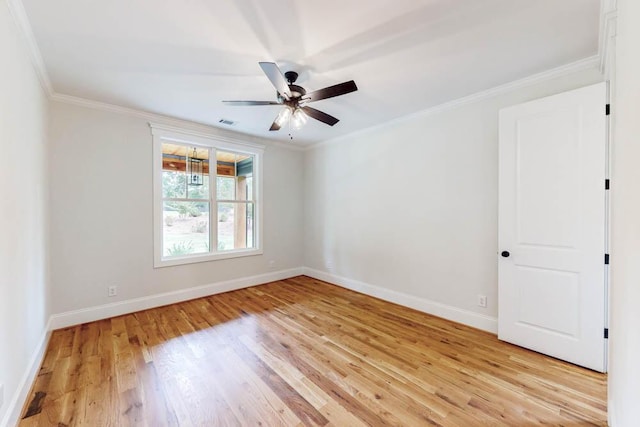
291	76
297	91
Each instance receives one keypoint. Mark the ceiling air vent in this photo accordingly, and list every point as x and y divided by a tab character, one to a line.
226	122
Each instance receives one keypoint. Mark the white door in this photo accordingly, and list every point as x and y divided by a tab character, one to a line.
552	226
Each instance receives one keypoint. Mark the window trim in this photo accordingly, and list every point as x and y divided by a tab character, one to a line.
170	134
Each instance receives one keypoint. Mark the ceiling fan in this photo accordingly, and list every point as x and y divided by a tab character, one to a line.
295	98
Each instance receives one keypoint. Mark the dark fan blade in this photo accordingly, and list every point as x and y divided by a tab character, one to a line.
277	79
274	126
319	115
331	91
251	103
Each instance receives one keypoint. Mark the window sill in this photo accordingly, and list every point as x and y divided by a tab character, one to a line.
191	259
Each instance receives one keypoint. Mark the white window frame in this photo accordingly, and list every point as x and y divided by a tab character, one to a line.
170	134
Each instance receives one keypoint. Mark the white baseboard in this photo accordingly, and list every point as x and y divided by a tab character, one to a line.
76	317
466	317
12	416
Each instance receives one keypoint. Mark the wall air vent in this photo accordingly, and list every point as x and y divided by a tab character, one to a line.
226	122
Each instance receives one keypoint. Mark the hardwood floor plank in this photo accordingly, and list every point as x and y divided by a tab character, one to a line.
301	352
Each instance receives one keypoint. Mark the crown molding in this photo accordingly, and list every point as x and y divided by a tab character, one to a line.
590	62
19	15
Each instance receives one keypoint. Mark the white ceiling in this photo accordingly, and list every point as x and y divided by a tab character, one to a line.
183	57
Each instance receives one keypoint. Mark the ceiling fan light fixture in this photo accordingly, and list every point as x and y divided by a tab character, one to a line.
284	115
298	119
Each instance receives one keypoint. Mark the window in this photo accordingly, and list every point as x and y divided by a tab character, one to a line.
206	197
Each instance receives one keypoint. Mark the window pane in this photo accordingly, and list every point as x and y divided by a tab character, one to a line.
174	171
244	165
250	187
225	226
226	188
235	226
185	228
199	191
177	171
235	173
226	163
174	184
243	189
249	226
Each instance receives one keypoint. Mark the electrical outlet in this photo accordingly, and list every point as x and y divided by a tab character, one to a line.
1	395
272	264
113	291
482	301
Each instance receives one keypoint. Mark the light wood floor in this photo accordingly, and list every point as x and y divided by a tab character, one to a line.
301	352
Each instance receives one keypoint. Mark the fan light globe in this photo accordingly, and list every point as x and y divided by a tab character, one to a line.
283	116
299	119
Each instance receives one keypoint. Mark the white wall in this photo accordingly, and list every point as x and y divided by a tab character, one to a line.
23	210
624	369
411	206
101	213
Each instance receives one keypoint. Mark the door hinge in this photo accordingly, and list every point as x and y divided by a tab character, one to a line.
606	259
607	109
606	333
606	184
